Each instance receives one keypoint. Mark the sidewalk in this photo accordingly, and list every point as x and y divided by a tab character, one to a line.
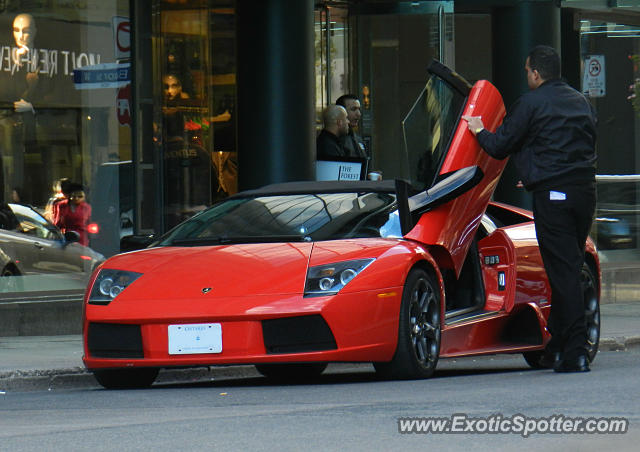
55	362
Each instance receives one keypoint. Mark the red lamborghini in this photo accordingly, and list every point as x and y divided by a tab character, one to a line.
293	276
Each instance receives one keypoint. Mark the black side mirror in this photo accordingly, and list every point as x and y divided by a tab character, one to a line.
71	236
135	242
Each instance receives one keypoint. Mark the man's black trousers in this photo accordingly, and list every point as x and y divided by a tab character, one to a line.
563	219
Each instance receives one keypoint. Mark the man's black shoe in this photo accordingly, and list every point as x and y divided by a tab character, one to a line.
577	364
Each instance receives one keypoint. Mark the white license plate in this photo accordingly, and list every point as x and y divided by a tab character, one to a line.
195	338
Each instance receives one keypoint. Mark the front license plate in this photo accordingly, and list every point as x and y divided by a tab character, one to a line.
195	338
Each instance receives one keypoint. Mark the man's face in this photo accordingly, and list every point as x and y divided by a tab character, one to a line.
354	113
533	77
24	30
343	123
172	87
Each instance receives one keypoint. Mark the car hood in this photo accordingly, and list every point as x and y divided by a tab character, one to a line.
232	270
235	270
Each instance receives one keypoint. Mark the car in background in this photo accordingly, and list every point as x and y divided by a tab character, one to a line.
292	276
29	244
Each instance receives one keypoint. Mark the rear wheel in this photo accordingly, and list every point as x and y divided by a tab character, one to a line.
291	372
592	319
11	284
591	310
419	330
126	378
536	360
9	271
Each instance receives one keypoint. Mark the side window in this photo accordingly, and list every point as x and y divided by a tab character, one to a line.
34	225
8	220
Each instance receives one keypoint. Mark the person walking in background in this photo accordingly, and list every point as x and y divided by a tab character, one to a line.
73	213
58	188
551	133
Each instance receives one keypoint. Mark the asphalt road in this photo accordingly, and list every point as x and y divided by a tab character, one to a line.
347	409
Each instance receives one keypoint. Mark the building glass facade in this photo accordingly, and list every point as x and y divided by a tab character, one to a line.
64	113
148	124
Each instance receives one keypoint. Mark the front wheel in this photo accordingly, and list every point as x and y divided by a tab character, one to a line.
419	330
126	378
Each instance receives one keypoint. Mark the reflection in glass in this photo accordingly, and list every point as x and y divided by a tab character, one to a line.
427	129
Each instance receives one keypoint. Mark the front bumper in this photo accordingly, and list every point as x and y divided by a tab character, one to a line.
346	327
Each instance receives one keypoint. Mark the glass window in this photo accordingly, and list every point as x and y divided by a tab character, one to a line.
331	57
194	106
610	56
64	114
293	217
428	128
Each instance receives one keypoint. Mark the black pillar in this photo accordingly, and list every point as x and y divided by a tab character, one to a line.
275	79
516	30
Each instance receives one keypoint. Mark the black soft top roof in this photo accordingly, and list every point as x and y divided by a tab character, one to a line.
319	187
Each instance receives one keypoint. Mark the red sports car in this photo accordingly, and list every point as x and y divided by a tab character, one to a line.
293	276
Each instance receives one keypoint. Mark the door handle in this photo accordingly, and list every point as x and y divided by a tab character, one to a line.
38	245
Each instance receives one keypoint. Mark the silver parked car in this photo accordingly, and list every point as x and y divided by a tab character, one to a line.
29	244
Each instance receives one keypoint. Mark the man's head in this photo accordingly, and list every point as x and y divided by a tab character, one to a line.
543	63
24	30
351	103
172	87
335	120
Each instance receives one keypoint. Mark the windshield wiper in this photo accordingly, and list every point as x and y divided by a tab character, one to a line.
227	240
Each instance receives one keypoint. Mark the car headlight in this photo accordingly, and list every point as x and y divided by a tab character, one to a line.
330	279
109	284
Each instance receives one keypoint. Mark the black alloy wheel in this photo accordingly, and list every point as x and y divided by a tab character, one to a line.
419	330
589	285
139	378
591	310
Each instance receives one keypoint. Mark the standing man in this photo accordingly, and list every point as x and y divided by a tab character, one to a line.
336	126
352	142
551	133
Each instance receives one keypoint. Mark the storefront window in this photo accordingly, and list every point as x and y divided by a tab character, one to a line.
331	56
611	80
64	115
194	106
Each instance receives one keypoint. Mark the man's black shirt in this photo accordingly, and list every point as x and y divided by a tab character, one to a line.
551	132
353	145
328	146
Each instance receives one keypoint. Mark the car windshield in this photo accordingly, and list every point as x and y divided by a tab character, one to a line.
288	218
428	129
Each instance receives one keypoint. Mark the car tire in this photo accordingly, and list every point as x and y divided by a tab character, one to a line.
535	359
291	372
11	284
9	270
419	332
126	378
592	320
592	310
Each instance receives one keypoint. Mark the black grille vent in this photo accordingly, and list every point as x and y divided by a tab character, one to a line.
113	340
297	335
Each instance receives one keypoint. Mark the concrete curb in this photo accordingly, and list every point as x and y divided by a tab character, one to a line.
619	344
80	378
